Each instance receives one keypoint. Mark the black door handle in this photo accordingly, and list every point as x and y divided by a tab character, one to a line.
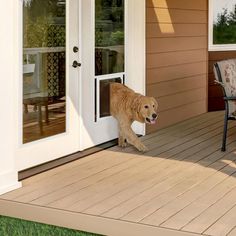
76	64
75	49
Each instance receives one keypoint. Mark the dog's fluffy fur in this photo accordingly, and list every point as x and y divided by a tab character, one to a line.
127	106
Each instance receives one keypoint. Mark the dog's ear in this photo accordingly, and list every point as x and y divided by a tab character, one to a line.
155	101
136	104
136	107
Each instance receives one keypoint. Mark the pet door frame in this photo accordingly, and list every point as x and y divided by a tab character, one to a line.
98	94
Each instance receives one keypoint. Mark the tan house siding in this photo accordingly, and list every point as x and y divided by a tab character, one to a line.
215	101
177	56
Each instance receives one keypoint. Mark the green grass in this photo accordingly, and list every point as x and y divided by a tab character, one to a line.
16	227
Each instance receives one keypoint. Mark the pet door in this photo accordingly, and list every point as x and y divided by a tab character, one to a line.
102	94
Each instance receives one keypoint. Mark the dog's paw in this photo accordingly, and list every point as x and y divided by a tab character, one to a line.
122	143
142	148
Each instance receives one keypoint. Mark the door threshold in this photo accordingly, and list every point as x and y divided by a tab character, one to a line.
24	174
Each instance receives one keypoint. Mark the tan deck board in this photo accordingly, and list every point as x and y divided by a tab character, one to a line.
59	193
197	205
191	123
80	190
166	169
204	187
183	186
232	232
161	143
42	188
90	201
188	125
225	224
184	125
106	187
127	206
92	193
59	169
187	141
191	178
69	177
213	213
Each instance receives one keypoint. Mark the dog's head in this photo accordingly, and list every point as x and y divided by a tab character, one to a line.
147	109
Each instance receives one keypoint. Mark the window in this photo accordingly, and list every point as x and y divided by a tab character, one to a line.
222	25
109	37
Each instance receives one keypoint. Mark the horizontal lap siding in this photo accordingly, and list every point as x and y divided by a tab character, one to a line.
176	45
215	100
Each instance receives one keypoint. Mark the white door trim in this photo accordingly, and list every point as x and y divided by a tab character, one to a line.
136	56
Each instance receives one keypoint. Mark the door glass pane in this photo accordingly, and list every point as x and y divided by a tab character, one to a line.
44	68
109	36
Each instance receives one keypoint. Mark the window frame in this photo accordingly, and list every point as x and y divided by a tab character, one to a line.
211	46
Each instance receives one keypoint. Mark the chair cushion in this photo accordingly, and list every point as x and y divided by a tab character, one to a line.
227	69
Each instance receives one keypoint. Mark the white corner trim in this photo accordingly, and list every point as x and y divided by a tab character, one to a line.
8	182
9	68
136	56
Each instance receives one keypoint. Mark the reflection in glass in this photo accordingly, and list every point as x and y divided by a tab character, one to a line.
109	36
224	26
105	96
43	68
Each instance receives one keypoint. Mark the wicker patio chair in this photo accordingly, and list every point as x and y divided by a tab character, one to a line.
225	74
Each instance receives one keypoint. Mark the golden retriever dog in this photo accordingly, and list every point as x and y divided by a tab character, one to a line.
127	106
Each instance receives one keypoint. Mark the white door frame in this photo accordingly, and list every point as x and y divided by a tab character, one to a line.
78	136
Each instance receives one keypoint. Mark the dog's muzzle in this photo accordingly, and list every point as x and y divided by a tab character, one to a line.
152	120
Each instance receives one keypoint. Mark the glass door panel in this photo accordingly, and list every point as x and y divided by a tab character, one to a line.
109	36
44	69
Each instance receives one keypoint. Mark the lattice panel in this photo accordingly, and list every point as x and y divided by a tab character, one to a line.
56	36
56	74
56	62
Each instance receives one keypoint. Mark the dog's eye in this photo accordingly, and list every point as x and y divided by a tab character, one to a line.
153	105
146	107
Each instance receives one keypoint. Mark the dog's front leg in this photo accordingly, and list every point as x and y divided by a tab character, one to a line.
132	138
122	141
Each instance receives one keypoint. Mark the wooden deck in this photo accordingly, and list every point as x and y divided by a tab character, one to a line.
183	186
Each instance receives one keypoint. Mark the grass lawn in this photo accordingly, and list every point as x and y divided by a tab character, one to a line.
16	227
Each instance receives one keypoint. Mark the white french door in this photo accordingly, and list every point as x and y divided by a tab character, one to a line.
113	39
72	50
50	85
104	61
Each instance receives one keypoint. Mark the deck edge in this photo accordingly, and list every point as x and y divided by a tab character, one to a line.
82	222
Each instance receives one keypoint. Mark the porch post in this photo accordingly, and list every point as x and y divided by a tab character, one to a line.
8	67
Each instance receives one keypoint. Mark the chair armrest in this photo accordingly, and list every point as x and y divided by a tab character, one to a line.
220	83
229	98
